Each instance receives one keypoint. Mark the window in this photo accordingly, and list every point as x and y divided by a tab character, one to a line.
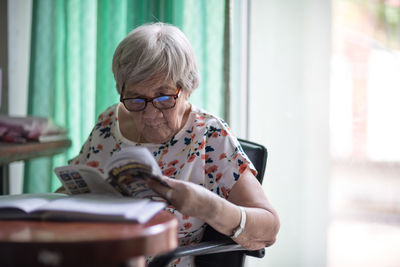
365	143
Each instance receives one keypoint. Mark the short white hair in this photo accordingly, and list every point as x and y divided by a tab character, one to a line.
152	49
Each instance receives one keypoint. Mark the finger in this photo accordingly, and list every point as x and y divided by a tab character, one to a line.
159	179
164	191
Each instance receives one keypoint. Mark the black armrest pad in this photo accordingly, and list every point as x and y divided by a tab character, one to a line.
256	253
203	248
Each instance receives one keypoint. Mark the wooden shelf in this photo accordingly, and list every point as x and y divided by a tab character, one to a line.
10	152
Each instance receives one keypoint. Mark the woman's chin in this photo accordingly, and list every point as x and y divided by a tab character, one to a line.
156	138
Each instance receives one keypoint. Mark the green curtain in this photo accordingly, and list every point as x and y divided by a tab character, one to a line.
72	45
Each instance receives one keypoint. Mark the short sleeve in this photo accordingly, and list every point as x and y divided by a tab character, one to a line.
100	144
81	158
225	158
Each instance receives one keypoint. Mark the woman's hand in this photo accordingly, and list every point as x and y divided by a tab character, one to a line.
262	224
61	189
189	198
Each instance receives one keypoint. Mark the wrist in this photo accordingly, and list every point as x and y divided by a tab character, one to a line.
212	208
240	228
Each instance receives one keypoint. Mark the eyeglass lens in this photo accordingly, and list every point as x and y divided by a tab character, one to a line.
137	104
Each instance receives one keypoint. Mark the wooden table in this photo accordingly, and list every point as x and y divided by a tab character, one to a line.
10	152
35	243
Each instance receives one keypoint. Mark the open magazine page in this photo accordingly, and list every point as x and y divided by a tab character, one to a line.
81	207
100	208
79	179
129	178
125	174
128	170
27	202
137	154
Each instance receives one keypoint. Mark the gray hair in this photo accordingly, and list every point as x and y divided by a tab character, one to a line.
152	49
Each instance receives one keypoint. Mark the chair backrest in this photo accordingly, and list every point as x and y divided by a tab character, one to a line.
258	155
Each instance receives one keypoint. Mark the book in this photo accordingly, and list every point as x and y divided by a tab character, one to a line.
125	173
16	129
52	137
84	207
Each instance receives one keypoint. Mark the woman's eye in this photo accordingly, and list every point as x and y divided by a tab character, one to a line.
137	100
162	98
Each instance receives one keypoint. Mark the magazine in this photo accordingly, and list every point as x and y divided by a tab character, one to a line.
125	173
86	207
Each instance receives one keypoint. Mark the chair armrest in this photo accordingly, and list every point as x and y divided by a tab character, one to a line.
203	248
192	250
256	253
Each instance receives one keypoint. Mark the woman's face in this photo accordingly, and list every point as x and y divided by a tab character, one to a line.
153	125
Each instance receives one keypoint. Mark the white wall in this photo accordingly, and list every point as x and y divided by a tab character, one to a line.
289	104
19	35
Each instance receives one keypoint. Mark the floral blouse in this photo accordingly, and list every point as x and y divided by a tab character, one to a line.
204	152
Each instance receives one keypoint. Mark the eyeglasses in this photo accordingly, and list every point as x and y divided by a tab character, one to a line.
159	102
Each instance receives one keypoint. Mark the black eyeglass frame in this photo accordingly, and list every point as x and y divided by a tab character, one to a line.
150	99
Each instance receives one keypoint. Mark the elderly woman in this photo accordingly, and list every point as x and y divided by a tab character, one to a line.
211	180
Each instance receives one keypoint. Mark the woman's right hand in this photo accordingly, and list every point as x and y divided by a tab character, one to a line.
188	198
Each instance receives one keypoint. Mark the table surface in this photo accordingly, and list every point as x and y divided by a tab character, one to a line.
86	243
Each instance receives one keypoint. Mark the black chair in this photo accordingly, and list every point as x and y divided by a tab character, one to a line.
217	249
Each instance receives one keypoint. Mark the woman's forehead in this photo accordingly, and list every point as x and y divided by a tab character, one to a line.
152	85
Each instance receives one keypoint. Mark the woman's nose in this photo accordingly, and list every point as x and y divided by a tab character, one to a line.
151	112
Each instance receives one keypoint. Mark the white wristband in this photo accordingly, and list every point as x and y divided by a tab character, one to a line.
238	230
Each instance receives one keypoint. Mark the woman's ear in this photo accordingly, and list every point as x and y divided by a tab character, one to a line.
185	94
